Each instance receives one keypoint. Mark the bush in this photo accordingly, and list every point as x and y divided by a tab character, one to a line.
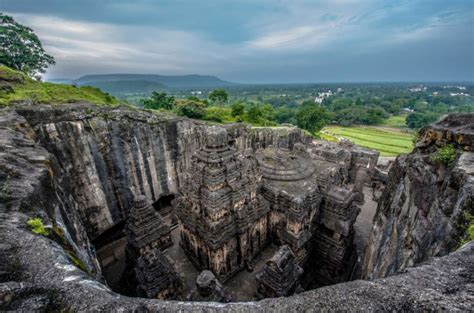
36	226
237	109
190	108
445	155
418	120
159	100
218	114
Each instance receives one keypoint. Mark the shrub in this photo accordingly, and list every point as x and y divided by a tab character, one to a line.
191	109
36	226
445	155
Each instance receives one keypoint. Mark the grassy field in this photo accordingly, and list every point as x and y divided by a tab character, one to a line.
390	142
396	121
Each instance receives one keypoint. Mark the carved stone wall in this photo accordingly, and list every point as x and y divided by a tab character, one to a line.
222	217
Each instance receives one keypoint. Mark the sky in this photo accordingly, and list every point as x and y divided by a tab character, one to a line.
257	41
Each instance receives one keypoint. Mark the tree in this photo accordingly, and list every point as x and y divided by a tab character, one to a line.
219	95
159	100
254	114
418	120
285	115
20	48
311	117
237	109
191	109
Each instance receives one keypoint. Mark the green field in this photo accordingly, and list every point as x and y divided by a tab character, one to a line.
389	142
397	121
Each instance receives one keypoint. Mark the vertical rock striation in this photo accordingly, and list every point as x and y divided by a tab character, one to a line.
422	212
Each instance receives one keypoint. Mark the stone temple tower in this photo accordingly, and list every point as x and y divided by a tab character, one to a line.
222	218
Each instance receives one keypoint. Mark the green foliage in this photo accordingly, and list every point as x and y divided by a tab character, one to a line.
190	108
237	109
24	88
445	155
396	121
219	95
159	100
219	115
36	226
259	115
285	115
58	236
21	49
469	235
311	117
418	120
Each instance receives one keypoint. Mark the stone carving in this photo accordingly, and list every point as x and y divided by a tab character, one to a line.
294	197
222	217
280	276
208	288
156	276
149	273
145	228
333	252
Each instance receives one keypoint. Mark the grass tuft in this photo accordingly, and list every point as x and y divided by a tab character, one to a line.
36	226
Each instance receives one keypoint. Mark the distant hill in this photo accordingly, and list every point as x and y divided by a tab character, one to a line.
127	86
181	81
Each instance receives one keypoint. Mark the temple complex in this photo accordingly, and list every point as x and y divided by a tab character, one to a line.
281	275
234	203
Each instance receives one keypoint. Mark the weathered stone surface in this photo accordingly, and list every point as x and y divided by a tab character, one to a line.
280	276
145	228
156	276
149	273
208	288
421	213
222	218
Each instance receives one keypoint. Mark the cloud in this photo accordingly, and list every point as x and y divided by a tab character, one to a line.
105	48
259	40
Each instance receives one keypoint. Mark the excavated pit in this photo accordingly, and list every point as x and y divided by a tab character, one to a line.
110	249
265	200
92	170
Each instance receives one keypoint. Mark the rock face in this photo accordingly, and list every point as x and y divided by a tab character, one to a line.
77	167
422	212
222	219
208	288
281	275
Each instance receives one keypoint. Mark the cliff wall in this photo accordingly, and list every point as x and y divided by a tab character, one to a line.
425	208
